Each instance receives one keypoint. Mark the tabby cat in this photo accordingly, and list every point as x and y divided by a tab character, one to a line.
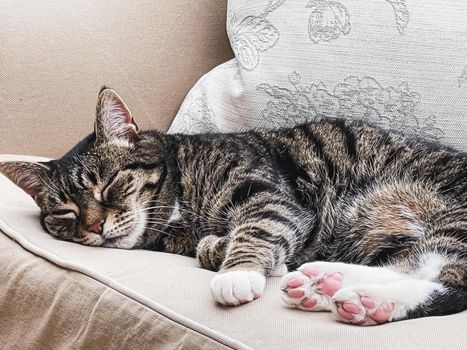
374	222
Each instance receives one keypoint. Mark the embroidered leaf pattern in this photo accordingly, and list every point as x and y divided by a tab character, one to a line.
196	116
401	12
294	78
328	20
355	98
246	53
258	31
254	34
272	5
463	77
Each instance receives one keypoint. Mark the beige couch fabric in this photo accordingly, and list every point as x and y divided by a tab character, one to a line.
175	287
44	306
55	55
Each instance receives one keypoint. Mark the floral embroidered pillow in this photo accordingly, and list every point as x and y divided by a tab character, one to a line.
400	64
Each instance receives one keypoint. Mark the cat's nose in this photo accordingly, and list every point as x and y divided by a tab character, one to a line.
97	227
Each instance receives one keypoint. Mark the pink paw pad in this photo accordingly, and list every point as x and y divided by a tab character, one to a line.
344	314
383	313
329	285
311	271
295	282
352	308
309	303
348	310
367	302
296	293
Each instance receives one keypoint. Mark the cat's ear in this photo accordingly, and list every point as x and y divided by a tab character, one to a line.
27	175
114	122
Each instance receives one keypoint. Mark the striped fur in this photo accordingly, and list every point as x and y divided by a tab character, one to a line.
330	190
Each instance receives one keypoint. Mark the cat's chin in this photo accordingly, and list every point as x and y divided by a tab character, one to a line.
94	240
114	235
113	242
121	242
126	240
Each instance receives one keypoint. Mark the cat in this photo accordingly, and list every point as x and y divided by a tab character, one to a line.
371	224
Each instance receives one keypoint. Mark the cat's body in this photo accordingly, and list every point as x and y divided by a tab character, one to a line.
248	204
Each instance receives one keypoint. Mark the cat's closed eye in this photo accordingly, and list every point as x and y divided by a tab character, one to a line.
61	222
118	190
105	191
64	214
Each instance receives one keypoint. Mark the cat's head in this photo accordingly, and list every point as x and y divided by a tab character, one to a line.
110	189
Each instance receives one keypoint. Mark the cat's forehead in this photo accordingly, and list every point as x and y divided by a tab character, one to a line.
95	160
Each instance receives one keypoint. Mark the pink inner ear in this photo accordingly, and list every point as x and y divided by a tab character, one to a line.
24	176
27	181
31	188
114	119
123	110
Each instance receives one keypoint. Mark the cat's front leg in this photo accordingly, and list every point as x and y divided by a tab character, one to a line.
254	251
211	251
242	274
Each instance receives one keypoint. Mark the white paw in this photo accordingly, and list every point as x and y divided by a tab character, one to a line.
372	304
365	306
237	287
311	288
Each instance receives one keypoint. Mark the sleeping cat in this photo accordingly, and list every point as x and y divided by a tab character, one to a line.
376	223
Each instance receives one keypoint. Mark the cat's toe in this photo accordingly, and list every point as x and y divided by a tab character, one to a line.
327	282
310	288
360	307
293	287
237	287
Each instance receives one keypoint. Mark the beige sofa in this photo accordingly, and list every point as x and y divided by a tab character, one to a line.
55	56
60	295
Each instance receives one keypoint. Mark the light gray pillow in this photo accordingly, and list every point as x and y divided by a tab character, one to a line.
400	64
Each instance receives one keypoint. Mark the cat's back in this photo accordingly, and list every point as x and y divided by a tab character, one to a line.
330	150
338	150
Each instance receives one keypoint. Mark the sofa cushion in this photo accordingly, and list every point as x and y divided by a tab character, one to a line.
399	64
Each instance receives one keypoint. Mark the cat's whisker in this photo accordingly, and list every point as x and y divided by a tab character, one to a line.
160	231
152	221
184	210
170	207
159	207
165	223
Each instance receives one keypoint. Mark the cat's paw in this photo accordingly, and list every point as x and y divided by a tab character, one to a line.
237	287
362	306
310	288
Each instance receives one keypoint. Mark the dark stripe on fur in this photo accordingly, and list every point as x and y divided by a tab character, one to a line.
141	165
349	137
248	189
